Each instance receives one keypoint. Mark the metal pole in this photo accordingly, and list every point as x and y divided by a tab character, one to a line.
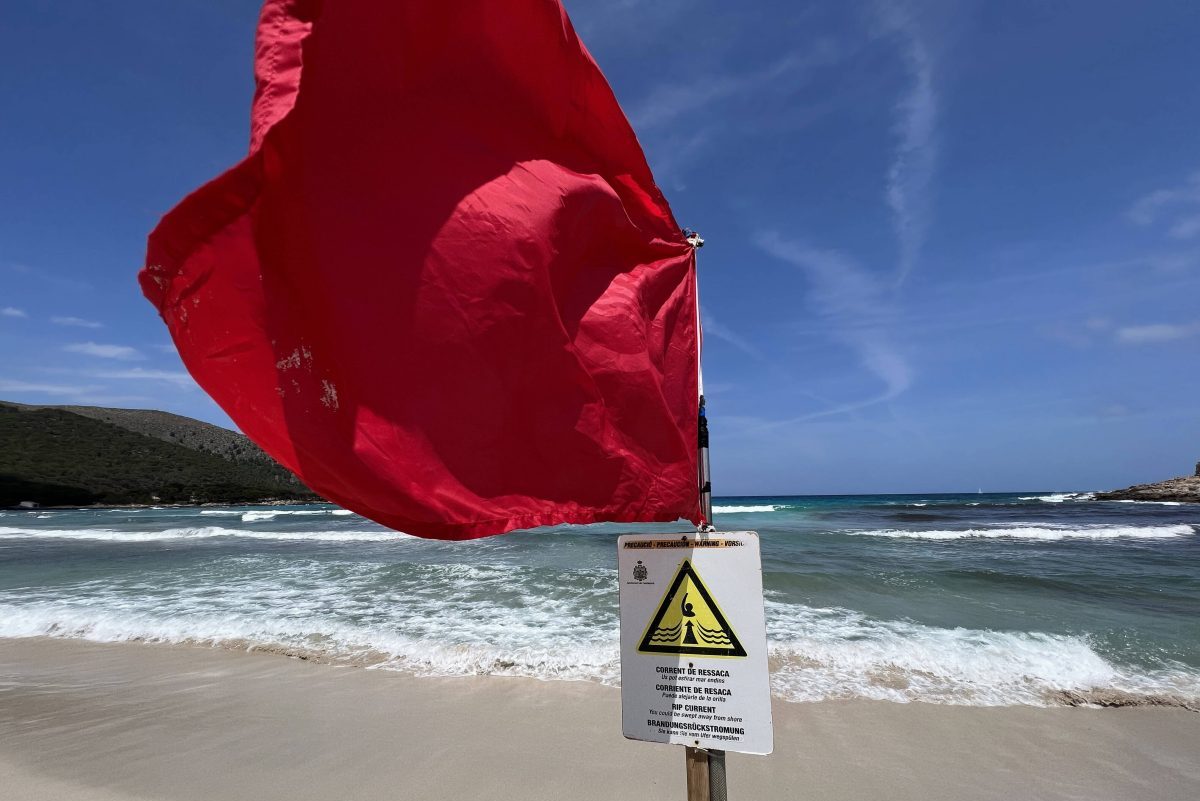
716	776
705	469
705	768
694	239
698	761
714	758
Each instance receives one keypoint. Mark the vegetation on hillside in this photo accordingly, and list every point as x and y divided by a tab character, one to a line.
179	430
56	457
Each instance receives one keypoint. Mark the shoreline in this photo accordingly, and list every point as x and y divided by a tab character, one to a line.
118	722
382	663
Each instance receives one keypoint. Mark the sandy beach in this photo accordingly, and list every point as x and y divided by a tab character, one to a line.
88	722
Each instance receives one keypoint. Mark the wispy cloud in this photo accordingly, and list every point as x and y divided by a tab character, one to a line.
1186	227
1156	333
120	352
674	154
77	322
668	102
177	377
714	329
1178	207
45	276
1075	333
9	311
44	389
626	20
855	307
91	398
910	175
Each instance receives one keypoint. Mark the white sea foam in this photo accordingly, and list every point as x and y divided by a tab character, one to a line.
270	514
262	515
200	533
254	517
1060	497
816	654
368	646
1156	503
1042	532
445	619
822	654
742	510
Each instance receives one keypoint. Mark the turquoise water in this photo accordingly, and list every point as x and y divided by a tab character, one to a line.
967	599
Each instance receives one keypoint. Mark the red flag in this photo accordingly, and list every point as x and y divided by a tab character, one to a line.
443	287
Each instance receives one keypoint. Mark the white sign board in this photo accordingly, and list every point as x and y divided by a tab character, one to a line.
694	642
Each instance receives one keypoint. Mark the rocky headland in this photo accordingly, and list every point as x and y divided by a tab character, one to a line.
1185	489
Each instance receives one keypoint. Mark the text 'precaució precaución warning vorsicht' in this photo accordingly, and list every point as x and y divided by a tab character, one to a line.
693	641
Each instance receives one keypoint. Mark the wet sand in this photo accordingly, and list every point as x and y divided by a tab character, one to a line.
87	722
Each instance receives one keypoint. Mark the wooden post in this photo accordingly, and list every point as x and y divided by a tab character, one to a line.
697	773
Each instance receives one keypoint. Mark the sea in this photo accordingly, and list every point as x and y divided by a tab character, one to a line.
1031	598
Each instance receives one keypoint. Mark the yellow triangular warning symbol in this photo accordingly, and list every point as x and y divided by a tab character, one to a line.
689	622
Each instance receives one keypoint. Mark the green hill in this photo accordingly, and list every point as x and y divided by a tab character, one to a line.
178	430
73	456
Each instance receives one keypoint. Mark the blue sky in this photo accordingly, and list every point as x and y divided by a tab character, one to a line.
951	245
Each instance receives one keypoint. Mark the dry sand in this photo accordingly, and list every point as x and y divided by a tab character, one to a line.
106	722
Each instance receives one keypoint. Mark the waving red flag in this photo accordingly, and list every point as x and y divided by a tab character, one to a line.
443	287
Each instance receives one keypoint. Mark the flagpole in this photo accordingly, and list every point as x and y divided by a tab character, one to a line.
705	476
705	767
705	469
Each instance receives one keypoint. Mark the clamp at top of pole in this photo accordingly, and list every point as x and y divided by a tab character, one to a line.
693	238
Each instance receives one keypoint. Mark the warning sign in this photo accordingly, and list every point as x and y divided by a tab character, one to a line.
689	621
693	641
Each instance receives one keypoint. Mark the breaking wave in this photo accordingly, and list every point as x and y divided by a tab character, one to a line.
425	619
200	533
821	654
742	510
1049	533
815	654
260	515
1059	497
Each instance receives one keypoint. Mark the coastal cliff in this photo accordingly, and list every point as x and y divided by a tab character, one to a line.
1185	489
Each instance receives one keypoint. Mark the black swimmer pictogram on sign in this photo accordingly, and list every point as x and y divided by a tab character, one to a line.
689	622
